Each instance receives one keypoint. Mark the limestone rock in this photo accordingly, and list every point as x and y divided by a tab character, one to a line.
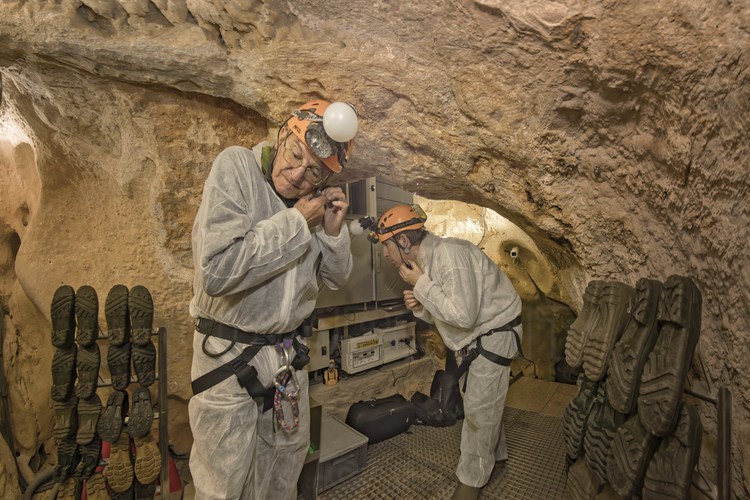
614	134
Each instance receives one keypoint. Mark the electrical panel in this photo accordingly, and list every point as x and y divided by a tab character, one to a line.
361	353
397	342
320	349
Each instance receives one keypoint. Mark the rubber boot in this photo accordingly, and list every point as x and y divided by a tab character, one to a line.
464	492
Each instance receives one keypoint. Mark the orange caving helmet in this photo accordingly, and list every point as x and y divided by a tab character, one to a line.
397	220
307	124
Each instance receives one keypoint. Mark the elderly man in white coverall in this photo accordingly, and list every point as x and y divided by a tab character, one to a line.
475	309
267	235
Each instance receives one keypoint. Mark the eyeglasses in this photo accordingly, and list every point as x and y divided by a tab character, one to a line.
314	174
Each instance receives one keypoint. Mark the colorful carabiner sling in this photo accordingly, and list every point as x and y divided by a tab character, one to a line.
281	380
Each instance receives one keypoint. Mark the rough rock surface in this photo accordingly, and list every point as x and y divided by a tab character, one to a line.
615	134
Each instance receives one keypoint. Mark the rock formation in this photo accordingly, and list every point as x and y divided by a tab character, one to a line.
615	134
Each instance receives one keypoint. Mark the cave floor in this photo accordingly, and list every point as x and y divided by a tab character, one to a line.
421	462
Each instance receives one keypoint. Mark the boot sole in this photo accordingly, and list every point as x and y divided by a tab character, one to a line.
87	313
144	362
118	362
597	443
66	419
632	449
91	454
119	471
63	373
663	380
631	352
141	413
147	460
87	366
576	415
67	460
141	308
670	471
116	313
62	313
88	417
96	487
581	328
112	420
581	483
613	305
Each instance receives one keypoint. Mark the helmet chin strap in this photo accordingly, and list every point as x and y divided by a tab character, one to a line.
401	251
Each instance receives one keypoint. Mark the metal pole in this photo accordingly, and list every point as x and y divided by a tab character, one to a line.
725	443
702	396
163	438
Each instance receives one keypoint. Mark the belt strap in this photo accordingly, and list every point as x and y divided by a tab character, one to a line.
215	329
507	327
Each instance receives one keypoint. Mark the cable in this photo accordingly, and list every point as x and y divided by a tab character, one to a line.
408	367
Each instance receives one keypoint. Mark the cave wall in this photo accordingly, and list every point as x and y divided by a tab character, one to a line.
615	134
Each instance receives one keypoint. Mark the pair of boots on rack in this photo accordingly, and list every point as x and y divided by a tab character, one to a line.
75	371
134	460
78	425
628	428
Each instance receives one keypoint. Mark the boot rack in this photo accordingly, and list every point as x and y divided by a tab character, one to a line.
161	414
722	490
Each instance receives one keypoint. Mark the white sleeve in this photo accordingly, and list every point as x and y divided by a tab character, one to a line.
337	262
238	251
450	296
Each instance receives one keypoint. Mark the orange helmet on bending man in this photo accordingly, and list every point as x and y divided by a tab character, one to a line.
329	136
397	220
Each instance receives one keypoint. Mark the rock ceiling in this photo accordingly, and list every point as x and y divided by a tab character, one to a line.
614	133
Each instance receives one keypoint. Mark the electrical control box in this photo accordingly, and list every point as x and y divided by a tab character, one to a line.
397	342
320	349
361	353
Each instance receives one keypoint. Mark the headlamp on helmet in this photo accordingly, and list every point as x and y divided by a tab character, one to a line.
397	220
327	129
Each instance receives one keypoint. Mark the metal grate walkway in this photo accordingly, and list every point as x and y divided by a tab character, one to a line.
421	463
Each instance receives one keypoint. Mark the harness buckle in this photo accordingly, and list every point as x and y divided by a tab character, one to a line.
237	364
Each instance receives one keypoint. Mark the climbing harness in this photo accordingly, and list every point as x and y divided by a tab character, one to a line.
247	375
471	354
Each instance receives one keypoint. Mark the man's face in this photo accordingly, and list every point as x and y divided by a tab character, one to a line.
297	171
391	252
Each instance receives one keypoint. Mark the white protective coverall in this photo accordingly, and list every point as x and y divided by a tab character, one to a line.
464	294
255	269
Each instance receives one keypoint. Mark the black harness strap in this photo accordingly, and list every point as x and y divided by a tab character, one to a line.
211	328
495	358
247	375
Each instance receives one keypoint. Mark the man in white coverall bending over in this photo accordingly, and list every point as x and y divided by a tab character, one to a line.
476	310
267	235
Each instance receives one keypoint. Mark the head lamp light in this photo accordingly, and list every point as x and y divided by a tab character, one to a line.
318	142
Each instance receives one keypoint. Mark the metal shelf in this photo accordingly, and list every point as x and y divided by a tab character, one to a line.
161	413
